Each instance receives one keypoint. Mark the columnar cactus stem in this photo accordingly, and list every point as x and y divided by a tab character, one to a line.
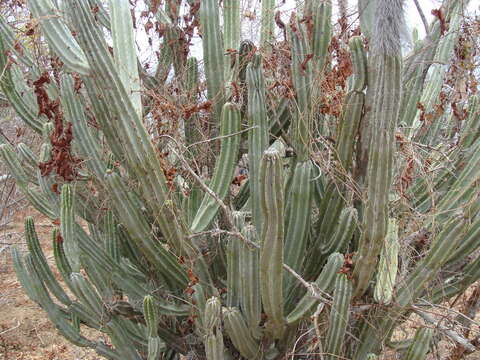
322	33
213	313
421	344
470	132
155	344
249	274
214	348
112	243
339	315
258	135
231	34
240	334
29	158
432	90
463	184
224	168
59	36
67	227
22	275
85	291
324	284
212	319
385	109
297	218
11	160
40	262
102	115
302	82
334	199
213	54
75	113
347	224
138	227
65	328
470	275
19	94
191	124
267	25
234	281
60	259
271	253
366	10
10	42
124	50
359	62
388	266
121	339
442	247
142	160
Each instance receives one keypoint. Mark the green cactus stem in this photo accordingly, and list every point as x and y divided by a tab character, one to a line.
421	344
388	266
271	253
386	86
213	54
258	135
339	315
240	334
224	168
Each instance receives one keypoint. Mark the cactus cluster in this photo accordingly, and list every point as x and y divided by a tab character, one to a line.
178	261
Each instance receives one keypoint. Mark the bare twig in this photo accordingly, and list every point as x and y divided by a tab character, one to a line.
448	332
465	317
13	328
221	137
422	16
316	324
213	233
461	318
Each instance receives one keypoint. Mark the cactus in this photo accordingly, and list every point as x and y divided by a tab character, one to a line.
223	174
179	260
384	113
421	344
388	266
214	348
249	258
155	345
239	333
271	252
339	316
